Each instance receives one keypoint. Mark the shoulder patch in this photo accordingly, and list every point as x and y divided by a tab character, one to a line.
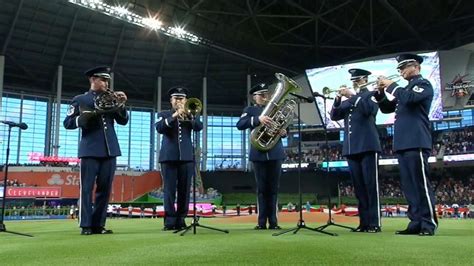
70	110
418	89
243	115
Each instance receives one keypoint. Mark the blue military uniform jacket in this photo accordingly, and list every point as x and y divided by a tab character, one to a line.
100	140
411	106
176	144
249	119
360	131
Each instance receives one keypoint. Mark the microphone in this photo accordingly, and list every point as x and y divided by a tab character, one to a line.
301	97
21	125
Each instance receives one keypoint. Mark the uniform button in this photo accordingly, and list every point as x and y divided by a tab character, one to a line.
105	128
105	123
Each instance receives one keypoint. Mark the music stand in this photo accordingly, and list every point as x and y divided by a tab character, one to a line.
301	223
329	222
5	177
195	223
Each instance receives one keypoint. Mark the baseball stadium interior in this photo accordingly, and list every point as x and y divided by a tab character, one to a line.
219	51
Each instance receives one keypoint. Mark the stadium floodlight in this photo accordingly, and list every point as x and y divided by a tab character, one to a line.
152	23
122	13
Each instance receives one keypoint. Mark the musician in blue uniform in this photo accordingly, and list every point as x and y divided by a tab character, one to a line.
266	165
98	149
412	140
176	157
361	147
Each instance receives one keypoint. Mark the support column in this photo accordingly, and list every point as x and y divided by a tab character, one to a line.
59	89
2	73
204	123
49	127
158	109
18	147
245	140
111	82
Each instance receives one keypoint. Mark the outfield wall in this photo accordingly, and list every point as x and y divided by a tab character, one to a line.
244	182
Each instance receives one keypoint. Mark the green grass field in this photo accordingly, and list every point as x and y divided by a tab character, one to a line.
141	241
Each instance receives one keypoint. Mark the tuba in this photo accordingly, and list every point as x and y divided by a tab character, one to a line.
280	109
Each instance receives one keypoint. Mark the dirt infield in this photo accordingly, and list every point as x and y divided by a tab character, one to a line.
288	217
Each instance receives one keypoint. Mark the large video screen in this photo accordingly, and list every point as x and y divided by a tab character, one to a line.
335	76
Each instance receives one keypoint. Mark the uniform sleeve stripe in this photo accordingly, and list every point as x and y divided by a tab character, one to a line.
389	96
77	121
357	101
393	92
166	122
251	121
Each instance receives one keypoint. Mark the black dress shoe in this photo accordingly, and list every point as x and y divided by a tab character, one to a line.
274	227
102	231
260	227
406	232
360	229
168	228
86	231
374	229
426	233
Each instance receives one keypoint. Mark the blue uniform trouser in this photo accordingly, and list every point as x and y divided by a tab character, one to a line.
267	175
415	183
98	171
176	178
363	168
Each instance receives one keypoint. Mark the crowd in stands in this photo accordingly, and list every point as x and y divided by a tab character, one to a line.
209	194
452	190
454	142
315	155
388	188
458	141
13	183
447	190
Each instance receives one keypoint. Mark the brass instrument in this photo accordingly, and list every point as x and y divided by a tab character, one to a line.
394	77
192	108
281	111
328	91
107	102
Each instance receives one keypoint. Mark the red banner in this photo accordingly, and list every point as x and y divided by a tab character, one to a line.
124	187
33	192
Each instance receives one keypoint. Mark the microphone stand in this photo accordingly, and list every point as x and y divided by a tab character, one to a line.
195	222
301	223
329	222
5	177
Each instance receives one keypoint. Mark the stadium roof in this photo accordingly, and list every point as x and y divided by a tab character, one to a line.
256	37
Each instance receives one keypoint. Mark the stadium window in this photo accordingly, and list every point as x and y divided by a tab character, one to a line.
224	142
140	139
11	111
34	138
68	139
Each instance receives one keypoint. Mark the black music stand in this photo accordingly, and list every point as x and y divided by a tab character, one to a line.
195	223
329	222
301	223
2	217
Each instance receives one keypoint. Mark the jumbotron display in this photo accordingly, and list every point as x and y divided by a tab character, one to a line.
335	76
